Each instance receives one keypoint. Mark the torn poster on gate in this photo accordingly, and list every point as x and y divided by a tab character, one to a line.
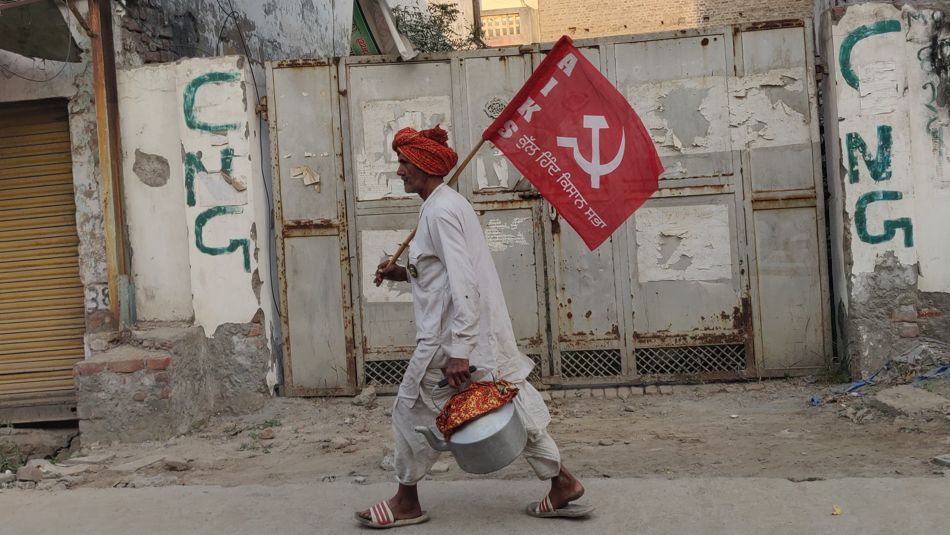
576	138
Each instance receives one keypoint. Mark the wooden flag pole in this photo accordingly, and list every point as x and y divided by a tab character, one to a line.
452	180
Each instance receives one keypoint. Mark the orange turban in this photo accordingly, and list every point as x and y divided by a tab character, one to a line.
426	149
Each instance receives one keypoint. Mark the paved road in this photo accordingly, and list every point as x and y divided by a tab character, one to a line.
906	506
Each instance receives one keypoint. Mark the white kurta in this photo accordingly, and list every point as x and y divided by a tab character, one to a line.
459	307
460	312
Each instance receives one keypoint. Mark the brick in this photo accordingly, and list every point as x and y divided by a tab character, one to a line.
165	393
600	18
254	330
557	394
636	391
139	396
905	313
597	393
623	392
909	330
126	366
158	363
582	393
89	367
666	390
162	378
610	393
930	313
651	389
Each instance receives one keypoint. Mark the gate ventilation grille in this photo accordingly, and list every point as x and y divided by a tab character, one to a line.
385	372
591	363
690	359
535	376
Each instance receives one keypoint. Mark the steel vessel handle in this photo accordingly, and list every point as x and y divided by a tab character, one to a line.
445	382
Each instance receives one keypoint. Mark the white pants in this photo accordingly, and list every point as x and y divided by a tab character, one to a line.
413	456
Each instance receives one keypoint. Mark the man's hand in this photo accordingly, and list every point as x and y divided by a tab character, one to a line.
391	273
457	372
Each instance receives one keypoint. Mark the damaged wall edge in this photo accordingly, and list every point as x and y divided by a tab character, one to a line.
887	175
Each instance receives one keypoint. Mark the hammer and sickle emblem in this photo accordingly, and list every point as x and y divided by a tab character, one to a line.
594	168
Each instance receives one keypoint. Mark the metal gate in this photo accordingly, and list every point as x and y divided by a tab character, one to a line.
719	275
42	318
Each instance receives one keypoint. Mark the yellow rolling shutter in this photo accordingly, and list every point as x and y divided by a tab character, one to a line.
41	298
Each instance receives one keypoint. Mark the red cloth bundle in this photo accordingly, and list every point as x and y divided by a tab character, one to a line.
475	401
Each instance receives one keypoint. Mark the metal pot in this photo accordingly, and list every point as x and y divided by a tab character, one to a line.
486	444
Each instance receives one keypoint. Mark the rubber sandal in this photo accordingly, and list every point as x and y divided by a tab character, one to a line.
382	517
544	509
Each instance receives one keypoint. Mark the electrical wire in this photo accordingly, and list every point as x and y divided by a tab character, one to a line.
69	50
260	131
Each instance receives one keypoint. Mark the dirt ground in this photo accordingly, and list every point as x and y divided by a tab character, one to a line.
766	429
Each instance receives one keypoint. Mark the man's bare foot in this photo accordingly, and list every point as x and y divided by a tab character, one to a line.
565	488
405	504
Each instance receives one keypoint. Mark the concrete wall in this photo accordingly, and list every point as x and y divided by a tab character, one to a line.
887	127
597	18
195	193
164	30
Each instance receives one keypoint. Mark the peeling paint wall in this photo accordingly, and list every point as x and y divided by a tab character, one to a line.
194	234
155	215
887	126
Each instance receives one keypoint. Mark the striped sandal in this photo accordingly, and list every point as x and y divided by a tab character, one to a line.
382	517
544	509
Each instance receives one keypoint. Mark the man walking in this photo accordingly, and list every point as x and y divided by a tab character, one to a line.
461	321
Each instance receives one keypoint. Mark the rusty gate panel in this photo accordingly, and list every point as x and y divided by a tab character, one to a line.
380	98
508	205
388	328
689	294
514	240
585	309
310	212
487	83
585	301
785	206
679	88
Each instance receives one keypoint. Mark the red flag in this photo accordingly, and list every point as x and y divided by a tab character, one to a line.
576	138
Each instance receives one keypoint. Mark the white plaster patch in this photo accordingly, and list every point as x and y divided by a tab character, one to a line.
381	119
676	170
213	190
757	120
494	176
375	246
307	175
271	378
646	100
879	87
501	236
683	243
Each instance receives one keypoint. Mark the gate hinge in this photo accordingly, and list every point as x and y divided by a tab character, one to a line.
261	106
